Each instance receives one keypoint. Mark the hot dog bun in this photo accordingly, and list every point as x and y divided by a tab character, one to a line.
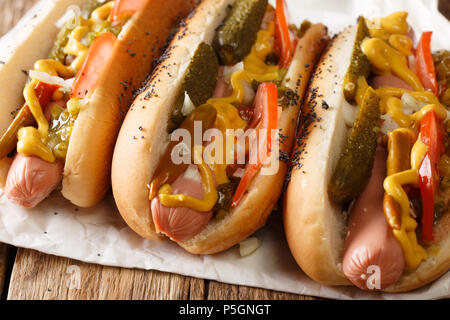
88	162
147	121
316	227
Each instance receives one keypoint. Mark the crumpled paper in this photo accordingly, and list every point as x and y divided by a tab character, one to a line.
99	235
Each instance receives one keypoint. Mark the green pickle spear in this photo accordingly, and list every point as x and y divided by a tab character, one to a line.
359	63
236	36
199	82
355	165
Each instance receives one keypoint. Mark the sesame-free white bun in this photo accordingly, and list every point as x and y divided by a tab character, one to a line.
144	134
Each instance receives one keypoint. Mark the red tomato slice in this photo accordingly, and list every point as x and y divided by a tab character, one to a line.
432	134
266	101
424	63
284	46
123	8
98	54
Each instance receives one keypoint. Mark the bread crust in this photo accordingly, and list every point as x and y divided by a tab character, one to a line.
315	227
130	183
88	162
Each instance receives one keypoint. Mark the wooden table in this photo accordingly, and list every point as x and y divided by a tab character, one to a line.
29	274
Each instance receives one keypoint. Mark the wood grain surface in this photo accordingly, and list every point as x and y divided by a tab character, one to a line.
37	275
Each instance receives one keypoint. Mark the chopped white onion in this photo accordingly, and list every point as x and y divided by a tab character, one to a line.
229	70
73	13
188	105
48	79
410	104
248	246
389	124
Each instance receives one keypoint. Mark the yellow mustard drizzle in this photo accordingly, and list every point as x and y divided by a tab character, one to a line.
75	47
395	23
102	13
388	92
389	47
227	118
32	141
210	194
387	51
30	144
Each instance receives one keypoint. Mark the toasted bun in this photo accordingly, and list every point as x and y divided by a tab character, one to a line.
150	112
316	227
88	161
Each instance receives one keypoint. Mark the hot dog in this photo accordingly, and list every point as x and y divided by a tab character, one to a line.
367	199
78	90
235	65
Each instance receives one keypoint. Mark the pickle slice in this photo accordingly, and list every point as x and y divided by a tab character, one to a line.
201	77
359	63
236	36
355	165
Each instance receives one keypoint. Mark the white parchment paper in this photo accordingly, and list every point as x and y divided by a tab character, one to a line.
99	235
